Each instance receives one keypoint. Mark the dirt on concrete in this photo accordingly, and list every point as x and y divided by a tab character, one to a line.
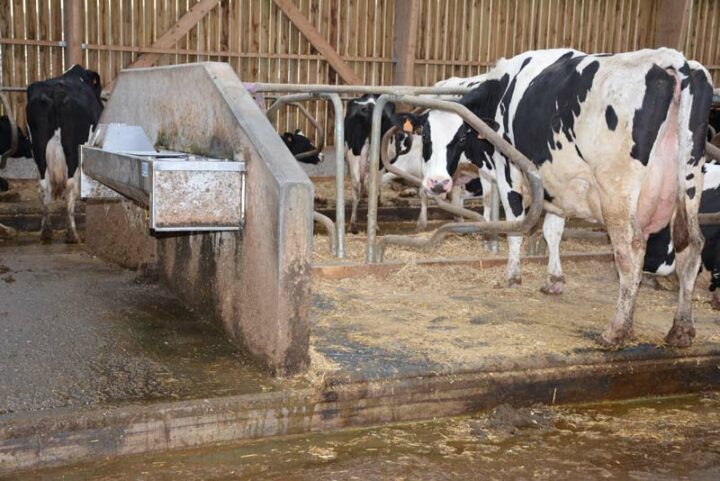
77	331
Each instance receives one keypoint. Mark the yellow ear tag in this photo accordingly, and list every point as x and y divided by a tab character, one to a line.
407	126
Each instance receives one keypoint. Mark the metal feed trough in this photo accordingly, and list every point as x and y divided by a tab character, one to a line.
181	190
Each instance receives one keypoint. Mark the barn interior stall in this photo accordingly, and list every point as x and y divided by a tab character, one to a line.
296	325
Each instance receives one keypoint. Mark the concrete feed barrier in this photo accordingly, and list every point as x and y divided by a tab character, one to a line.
254	283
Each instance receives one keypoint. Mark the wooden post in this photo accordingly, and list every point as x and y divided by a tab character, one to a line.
318	41
405	25
671	24
73	32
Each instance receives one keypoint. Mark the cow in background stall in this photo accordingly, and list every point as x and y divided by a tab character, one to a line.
61	114
618	139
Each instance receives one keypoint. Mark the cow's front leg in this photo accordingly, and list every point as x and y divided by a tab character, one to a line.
356	185
553	227
512	204
629	246
46	232
71	192
422	219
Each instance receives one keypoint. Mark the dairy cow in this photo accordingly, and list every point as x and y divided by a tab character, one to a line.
297	143
618	139
357	126
61	112
660	253
23	144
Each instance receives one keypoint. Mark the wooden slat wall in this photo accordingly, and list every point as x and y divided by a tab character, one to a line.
465	37
38	22
455	38
703	40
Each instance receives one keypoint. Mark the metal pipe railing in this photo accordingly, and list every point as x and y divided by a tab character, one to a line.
359	89
375	249
334	98
329	227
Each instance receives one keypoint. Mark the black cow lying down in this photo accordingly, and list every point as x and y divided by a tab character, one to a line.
618	139
61	113
660	254
298	143
23	144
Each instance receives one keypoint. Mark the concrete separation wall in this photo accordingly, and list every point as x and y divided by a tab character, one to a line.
256	283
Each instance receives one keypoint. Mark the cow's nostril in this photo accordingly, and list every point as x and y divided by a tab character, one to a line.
438	188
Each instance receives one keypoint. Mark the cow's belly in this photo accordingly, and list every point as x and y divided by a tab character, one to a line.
572	188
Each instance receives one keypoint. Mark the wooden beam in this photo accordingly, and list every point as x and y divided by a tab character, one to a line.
317	41
176	32
73	28
405	25
671	24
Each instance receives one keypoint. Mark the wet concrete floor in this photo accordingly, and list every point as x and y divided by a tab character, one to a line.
651	439
77	331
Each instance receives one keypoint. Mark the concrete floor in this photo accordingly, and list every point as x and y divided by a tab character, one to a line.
77	331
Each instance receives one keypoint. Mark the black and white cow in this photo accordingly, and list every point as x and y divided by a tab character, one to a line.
618	139
298	143
357	126
23	144
61	113
660	254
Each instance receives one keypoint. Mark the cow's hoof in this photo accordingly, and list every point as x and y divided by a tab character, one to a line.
354	229
715	301
46	235
613	338
6	231
514	282
554	286
71	238
680	336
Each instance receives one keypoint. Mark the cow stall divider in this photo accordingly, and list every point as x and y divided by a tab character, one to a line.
376	247
296	93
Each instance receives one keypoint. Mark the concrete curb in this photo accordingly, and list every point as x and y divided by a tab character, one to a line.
70	435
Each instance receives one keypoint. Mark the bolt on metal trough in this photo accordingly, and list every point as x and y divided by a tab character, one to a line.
376	248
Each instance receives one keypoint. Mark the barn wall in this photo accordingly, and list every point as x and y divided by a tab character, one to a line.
455	38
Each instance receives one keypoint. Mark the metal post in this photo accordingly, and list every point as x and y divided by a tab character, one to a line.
373	174
334	98
493	244
339	175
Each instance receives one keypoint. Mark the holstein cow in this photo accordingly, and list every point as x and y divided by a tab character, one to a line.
298	143
618	139
61	112
357	125
23	144
660	254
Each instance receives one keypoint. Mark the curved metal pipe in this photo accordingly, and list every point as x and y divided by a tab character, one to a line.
13	131
375	249
329	227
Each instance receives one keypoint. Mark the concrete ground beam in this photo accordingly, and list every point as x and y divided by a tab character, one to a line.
255	283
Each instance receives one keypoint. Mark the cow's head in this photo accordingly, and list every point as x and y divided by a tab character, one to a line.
447	137
298	143
86	76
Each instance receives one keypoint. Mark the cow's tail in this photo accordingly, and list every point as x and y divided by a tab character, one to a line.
56	165
695	102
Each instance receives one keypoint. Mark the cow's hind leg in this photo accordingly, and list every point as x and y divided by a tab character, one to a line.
45	192
553	227
72	191
687	265
629	246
